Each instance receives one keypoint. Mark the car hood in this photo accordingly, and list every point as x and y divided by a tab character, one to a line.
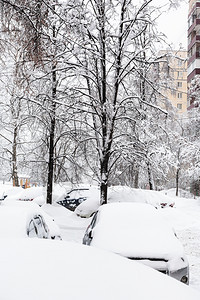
139	244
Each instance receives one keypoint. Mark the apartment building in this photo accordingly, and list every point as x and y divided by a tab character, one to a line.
174	69
193	44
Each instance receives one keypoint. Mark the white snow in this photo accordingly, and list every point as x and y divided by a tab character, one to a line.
127	194
89	206
135	230
48	270
184	218
49	256
122	194
15	217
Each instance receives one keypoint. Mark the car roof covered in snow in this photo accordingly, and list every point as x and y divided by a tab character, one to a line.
135	230
15	215
14	218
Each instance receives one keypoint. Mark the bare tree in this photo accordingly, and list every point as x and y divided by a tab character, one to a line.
111	61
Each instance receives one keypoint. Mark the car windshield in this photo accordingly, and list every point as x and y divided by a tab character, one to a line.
75	194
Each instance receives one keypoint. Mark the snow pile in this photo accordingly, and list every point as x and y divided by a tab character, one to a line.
127	194
61	270
123	194
181	193
35	194
9	191
185	215
65	218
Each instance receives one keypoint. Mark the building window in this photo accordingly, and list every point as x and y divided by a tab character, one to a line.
180	74
179	95
173	93
198	51
194	17
180	85
180	63
172	73
179	106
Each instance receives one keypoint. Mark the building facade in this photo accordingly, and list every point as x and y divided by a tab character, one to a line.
193	44
174	65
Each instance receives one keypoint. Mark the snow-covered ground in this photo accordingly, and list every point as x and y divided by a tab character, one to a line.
184	217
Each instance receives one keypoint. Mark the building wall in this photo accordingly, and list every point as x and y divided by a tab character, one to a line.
176	90
192	3
193	31
193	40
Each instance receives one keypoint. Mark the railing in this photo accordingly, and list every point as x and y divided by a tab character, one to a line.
195	39
196	55
195	23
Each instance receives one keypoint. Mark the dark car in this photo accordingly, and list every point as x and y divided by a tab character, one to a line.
74	198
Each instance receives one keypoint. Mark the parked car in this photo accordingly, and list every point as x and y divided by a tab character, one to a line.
128	194
26	219
88	207
74	198
45	270
35	194
137	231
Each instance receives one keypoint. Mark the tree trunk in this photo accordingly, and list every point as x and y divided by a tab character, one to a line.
14	159
104	180
51	162
52	129
104	192
150	177
105	155
136	179
177	181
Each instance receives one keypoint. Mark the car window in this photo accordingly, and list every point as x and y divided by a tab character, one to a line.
37	228
94	220
41	228
32	230
75	194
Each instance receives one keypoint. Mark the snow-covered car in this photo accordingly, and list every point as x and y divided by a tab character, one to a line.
84	201
128	194
91	203
26	219
45	270
35	194
138	232
88	207
74	198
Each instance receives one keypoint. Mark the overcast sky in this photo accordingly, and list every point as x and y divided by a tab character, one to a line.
174	25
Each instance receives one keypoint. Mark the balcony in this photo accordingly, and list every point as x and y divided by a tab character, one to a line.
196	5
195	26
195	39
192	74
196	55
